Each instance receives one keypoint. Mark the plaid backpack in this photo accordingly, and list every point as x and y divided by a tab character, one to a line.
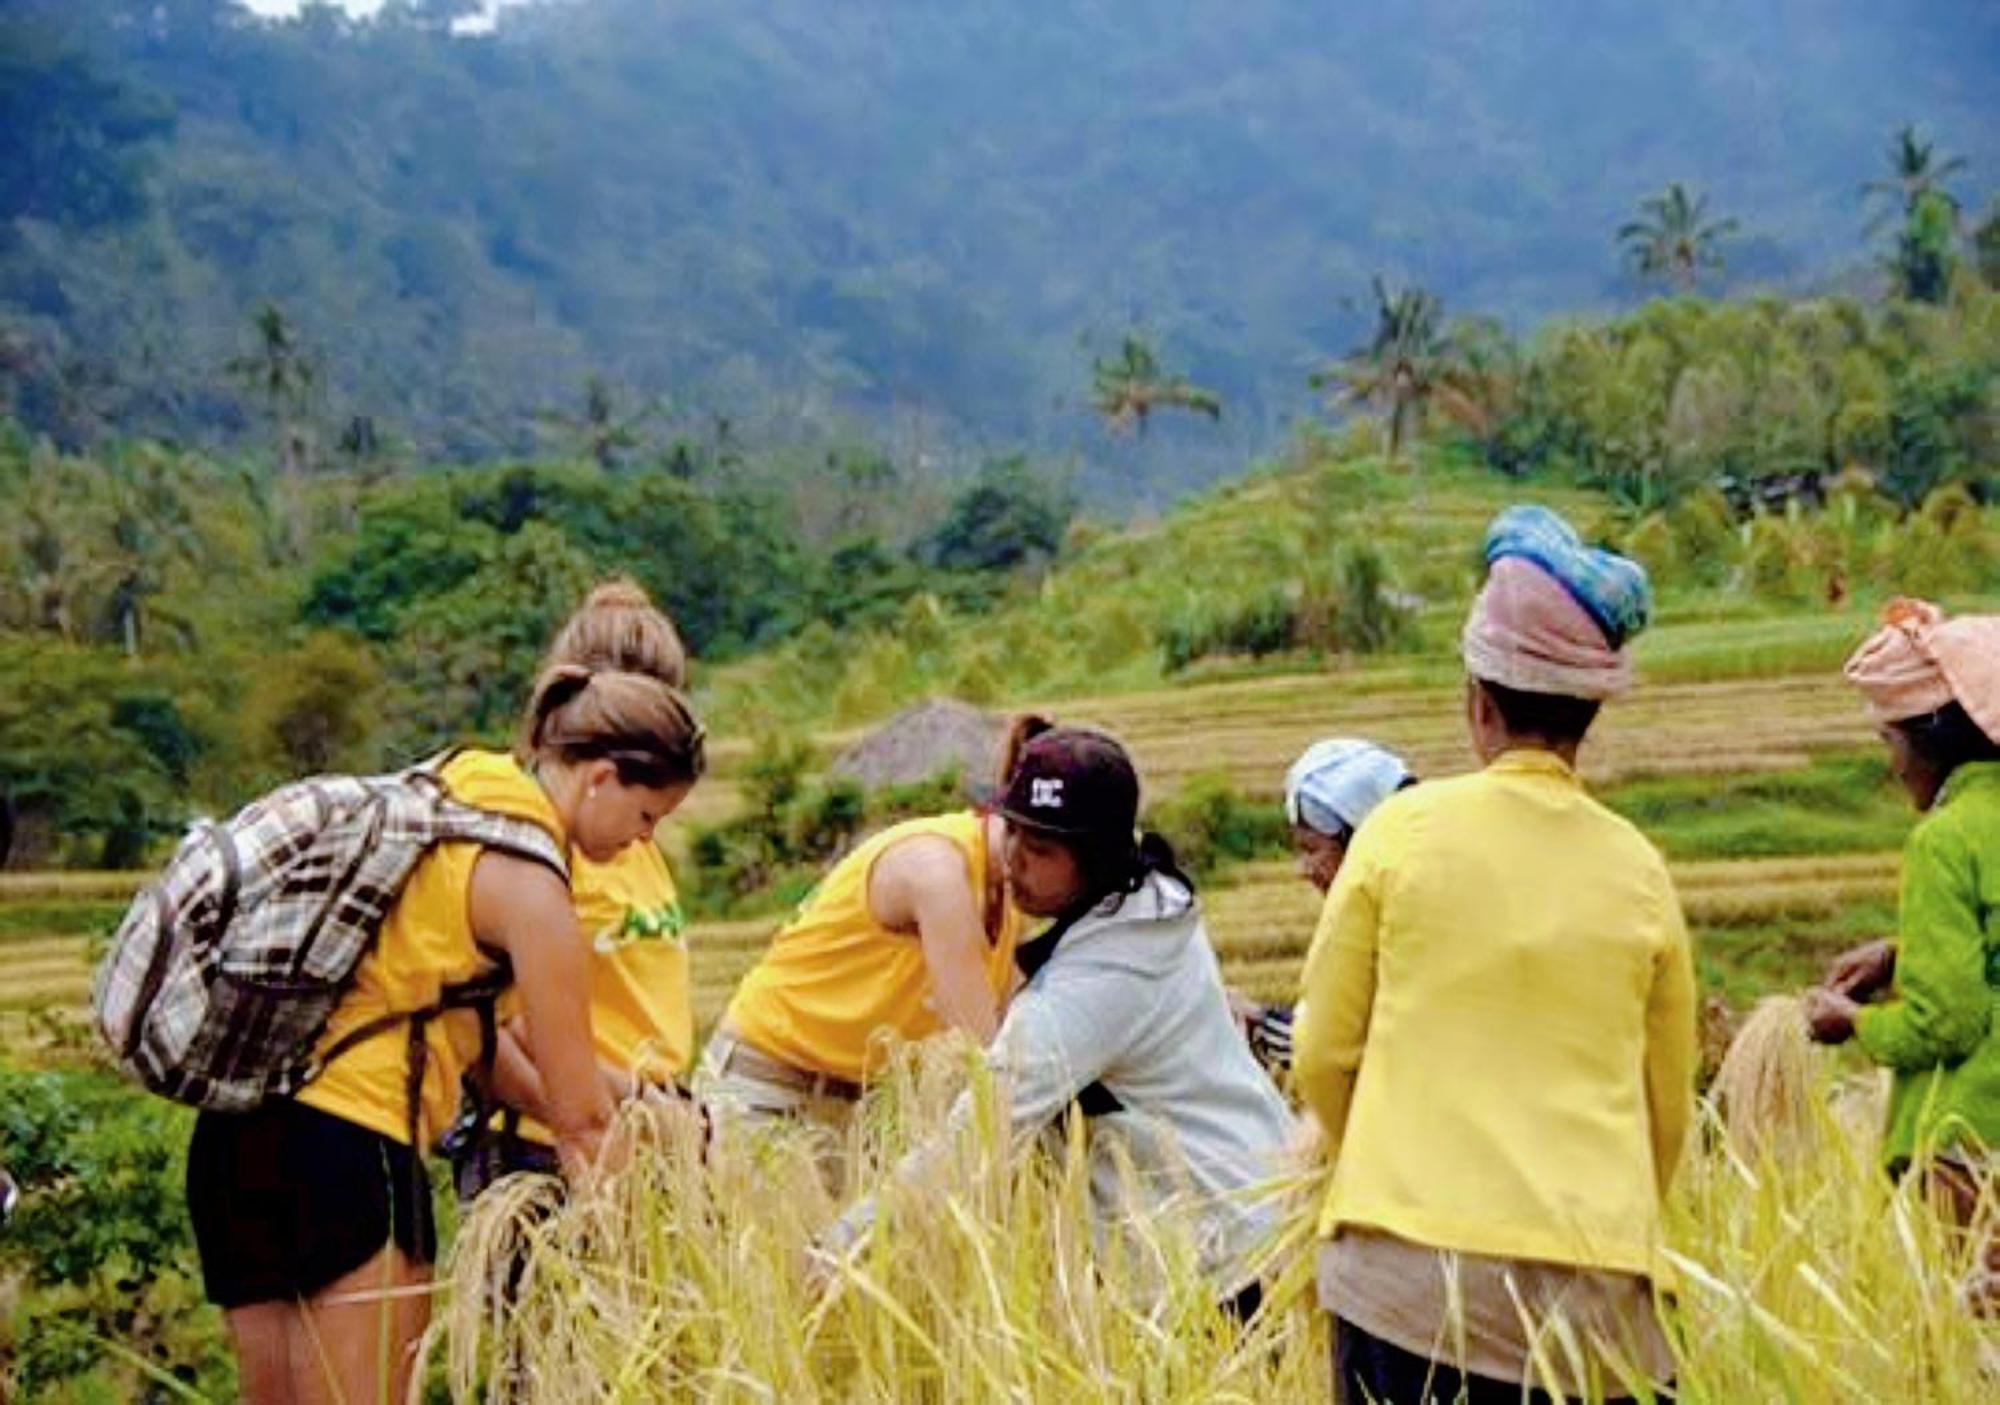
223	974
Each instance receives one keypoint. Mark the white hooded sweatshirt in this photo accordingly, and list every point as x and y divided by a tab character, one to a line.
1132	1000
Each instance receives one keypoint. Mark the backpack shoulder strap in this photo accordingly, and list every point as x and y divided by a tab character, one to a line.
456	819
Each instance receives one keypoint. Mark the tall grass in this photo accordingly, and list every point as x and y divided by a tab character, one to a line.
1805	1275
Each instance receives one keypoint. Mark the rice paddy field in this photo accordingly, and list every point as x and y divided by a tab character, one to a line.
1762	790
1804	1275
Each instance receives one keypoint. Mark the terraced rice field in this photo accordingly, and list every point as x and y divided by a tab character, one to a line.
1756	920
1716	696
1250	731
1792	912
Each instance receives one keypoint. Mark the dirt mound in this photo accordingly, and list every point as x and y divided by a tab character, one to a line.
939	734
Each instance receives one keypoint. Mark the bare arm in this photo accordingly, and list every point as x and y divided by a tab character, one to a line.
519	1086
523	909
1060	1035
515	1081
922	885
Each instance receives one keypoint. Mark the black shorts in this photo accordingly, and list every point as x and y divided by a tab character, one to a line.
287	1198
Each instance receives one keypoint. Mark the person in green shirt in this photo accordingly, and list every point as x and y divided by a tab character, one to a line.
1927	1004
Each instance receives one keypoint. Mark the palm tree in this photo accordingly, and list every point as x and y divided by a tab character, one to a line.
1126	390
600	432
1924	258
284	376
151	530
1916	169
1408	362
1673	240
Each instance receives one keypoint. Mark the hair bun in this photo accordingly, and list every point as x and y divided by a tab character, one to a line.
618	593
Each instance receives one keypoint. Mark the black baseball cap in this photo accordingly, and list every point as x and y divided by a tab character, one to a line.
1073	783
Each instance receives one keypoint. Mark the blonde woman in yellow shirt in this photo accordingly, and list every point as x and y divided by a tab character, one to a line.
911	934
310	1213
1498	1027
629	912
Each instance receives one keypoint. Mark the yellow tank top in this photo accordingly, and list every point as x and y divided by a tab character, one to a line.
836	984
426	943
641	1002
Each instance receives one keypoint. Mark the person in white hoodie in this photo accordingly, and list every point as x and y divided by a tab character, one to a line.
1123	1018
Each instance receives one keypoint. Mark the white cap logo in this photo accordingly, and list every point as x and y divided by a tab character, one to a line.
1045	792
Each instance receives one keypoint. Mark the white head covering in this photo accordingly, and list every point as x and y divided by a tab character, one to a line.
1337	782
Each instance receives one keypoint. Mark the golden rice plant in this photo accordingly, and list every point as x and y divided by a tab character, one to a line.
1771	1091
1817	1278
984	1279
1806	1277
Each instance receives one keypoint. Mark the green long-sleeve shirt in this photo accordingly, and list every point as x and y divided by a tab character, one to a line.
1940	1030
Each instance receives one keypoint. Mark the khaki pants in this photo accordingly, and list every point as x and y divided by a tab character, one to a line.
747	1092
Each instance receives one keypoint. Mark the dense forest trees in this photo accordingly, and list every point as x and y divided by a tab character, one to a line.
798	216
178	629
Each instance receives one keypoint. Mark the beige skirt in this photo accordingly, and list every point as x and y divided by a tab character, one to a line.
1510	1320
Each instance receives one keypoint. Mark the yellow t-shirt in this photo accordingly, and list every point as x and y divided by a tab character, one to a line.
836	983
425	944
641	1001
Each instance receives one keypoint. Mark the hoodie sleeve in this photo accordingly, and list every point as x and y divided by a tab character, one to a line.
1060	1034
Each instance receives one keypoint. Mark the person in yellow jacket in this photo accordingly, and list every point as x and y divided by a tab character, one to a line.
910	934
628	910
1498	1028
310	1213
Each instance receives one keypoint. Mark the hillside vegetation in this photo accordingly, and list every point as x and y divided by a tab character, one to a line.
791	214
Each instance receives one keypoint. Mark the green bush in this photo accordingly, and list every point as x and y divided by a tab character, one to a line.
94	754
101	1243
792	828
1351	608
1211	824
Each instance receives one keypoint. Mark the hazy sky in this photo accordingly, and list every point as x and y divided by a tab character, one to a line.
353	7
291	7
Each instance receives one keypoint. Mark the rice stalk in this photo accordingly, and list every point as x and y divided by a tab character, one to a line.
1773	1085
1806	1275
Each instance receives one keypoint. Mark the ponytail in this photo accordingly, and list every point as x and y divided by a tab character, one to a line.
554	690
1156	855
638	722
1024	729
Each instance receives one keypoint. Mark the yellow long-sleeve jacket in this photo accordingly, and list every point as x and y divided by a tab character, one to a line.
1499	1026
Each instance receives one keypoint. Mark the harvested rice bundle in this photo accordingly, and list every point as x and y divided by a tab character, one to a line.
1773	1086
1860	1107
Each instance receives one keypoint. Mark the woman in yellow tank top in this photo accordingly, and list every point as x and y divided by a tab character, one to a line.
309	1212
629	912
910	934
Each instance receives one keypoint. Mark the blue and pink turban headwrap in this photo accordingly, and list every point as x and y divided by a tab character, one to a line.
1554	615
